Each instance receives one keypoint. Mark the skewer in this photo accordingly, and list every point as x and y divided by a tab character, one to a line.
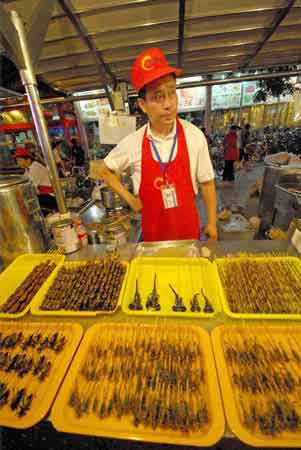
179	304
147	374
264	372
153	299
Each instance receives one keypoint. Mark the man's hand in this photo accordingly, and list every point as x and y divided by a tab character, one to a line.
99	171
209	198
95	168
211	232
135	204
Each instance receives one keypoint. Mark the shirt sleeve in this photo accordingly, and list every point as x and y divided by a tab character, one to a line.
204	167
118	159
39	175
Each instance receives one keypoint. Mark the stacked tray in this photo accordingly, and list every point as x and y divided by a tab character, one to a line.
168	286
34	358
21	281
83	288
261	288
152	383
259	373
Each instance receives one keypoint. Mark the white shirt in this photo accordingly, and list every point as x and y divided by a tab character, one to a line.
128	154
38	174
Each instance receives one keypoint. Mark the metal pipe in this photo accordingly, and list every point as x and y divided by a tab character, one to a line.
181	31
244	78
241	103
30	83
100	64
82	130
47	101
10	93
184	85
207	123
281	15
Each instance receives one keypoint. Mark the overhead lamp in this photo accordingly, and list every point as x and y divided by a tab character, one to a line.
92	92
189	79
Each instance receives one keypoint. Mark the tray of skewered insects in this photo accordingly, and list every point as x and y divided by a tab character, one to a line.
187	287
151	383
259	371
22	280
84	288
261	288
34	358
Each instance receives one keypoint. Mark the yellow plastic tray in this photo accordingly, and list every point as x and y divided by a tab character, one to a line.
186	275
64	418
45	391
250	437
16	273
259	316
36	305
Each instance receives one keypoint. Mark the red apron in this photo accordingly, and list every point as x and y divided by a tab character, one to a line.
158	223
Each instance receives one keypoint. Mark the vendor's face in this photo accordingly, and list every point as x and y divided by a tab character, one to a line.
161	101
23	163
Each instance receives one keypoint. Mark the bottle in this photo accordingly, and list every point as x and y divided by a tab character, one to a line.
80	229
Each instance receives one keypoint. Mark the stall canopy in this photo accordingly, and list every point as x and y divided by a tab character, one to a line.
94	42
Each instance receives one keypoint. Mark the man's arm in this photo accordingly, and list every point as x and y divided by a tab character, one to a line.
209	198
99	171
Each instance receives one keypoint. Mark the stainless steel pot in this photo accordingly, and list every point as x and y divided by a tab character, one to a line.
111	200
22	227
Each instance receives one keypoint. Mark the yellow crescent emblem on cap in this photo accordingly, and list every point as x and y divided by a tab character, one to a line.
144	61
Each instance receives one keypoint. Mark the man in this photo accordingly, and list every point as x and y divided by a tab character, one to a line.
168	159
208	138
78	154
231	155
57	152
245	141
239	164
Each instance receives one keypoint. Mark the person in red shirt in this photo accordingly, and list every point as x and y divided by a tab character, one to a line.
231	154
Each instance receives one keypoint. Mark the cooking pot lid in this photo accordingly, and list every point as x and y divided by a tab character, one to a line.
11	180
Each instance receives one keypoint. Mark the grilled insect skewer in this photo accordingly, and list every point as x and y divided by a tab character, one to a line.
179	304
153	299
136	304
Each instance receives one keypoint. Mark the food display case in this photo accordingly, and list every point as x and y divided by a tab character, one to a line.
87	402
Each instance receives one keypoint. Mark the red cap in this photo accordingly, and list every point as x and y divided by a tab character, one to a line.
22	152
149	66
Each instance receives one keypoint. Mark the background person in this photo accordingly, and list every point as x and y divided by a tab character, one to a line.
230	155
39	176
245	141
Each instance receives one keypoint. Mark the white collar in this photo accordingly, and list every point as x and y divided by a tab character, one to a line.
150	134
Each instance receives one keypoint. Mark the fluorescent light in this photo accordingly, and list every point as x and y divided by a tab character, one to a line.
92	92
189	79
